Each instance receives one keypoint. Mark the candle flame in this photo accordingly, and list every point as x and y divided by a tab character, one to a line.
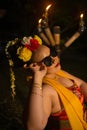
81	16
47	8
39	21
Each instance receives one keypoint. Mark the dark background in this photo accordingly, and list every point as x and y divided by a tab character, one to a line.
19	18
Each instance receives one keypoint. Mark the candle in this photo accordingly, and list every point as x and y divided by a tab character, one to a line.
78	33
48	32
56	32
42	35
81	24
72	39
46	27
39	26
49	35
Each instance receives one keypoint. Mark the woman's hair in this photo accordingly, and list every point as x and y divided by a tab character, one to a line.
20	50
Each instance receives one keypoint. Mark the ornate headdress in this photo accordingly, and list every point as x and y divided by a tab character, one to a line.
19	51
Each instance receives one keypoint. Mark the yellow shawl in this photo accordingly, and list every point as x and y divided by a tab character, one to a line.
71	103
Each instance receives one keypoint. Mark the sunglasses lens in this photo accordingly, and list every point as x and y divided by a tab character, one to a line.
47	61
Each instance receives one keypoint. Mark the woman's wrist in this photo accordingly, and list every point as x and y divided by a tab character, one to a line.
37	79
37	94
37	85
38	76
37	89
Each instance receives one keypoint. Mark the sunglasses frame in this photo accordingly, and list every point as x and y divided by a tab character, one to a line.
48	61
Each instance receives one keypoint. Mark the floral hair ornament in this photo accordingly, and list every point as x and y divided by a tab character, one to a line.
23	52
30	44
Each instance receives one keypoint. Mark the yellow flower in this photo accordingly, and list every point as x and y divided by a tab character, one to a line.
24	53
38	39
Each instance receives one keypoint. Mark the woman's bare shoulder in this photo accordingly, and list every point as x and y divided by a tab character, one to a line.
47	89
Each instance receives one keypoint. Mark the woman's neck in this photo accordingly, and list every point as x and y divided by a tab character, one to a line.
52	74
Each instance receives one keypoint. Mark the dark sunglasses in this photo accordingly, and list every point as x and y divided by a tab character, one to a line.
48	61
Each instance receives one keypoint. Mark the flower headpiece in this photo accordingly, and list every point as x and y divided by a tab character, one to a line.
23	51
29	45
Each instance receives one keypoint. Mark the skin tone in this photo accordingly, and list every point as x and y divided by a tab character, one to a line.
44	100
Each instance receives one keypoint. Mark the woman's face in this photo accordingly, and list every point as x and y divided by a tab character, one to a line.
41	52
43	55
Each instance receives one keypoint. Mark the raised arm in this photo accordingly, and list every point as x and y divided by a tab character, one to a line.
37	115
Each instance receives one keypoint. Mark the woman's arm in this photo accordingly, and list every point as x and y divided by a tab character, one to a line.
37	116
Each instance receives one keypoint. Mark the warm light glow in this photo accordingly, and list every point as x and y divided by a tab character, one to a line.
47	8
39	21
81	16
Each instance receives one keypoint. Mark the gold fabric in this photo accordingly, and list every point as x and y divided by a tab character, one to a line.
71	103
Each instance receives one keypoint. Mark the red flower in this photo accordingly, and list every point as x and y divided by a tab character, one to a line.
33	44
27	46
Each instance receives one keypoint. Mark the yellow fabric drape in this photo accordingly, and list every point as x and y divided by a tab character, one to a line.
71	103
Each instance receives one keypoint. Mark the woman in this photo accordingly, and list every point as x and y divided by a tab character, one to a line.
56	101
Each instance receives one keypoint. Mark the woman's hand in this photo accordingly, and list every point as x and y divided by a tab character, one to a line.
39	70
